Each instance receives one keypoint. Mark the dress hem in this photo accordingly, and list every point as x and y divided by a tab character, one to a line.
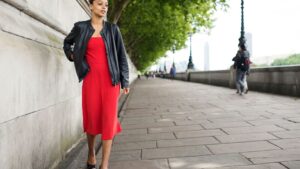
103	138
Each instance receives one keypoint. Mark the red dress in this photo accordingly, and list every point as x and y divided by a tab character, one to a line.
99	96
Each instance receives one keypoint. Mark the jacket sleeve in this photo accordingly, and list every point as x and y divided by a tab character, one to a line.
234	59
69	42
122	59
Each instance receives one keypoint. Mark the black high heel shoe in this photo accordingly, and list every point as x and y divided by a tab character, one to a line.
90	166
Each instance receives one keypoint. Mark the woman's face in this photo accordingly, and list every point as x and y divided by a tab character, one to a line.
99	7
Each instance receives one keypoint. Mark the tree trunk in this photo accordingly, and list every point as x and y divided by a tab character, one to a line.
132	43
118	7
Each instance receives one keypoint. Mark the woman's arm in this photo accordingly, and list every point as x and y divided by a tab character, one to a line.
68	42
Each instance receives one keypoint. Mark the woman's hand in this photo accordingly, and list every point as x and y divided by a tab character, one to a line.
126	90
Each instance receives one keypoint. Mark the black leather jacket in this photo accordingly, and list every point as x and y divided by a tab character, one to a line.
76	43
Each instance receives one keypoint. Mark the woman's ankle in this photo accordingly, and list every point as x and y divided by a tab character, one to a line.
92	158
104	166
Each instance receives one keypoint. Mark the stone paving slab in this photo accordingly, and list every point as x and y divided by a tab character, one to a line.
187	142
134	145
273	121
289	126
253	129
128	155
216	116
287	115
296	119
288	134
200	133
273	156
174	128
245	137
143	137
189	122
241	147
263	166
287	143
150	115
225	125
140	164
168	152
179	125
208	161
292	164
237	119
138	120
173	119
134	131
147	125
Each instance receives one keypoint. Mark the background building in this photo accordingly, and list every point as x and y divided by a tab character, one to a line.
206	56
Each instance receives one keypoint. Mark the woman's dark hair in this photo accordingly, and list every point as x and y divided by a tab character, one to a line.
91	1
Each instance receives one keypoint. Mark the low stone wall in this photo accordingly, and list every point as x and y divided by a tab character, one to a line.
182	76
278	80
40	103
220	78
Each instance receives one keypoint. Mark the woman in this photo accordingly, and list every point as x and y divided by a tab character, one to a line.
100	61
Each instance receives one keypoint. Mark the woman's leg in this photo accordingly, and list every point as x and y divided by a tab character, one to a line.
242	81
245	84
91	145
237	81
106	148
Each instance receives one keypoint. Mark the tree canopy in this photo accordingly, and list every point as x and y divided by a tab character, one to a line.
152	27
291	60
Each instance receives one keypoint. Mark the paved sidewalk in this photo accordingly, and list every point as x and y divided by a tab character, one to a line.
179	125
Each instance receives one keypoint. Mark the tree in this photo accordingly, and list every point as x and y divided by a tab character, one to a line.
117	7
152	27
291	60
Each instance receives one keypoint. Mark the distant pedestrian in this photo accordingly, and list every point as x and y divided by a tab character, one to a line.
173	72
242	66
147	75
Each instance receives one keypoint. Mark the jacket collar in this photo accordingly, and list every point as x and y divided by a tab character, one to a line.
89	22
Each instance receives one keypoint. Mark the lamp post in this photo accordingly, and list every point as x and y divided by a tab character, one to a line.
190	64
242	39
165	64
173	49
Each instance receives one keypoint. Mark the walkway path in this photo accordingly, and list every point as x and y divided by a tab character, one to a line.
179	125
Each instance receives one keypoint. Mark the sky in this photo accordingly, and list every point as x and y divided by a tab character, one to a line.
273	25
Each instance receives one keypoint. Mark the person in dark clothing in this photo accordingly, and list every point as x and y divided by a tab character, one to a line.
173	71
242	65
147	75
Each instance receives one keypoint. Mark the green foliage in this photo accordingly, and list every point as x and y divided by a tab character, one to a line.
291	60
152	27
